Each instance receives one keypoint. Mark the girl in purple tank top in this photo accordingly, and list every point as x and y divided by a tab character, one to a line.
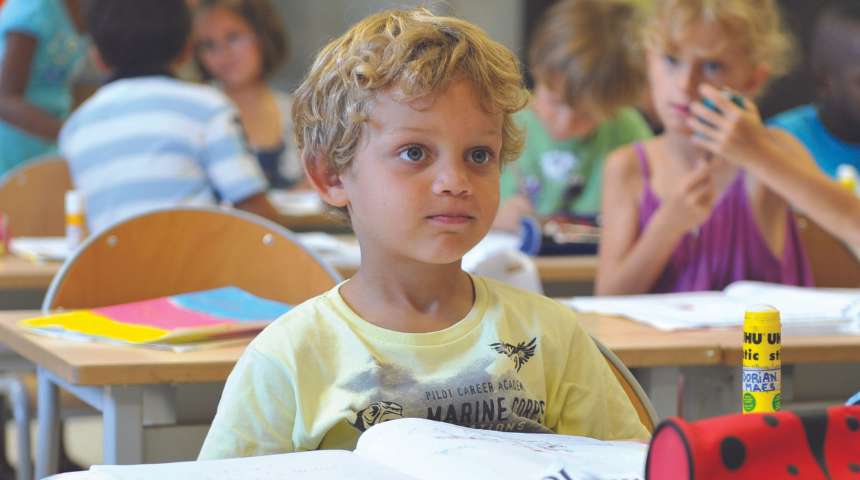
707	202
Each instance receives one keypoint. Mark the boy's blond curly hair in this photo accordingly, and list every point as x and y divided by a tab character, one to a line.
757	23
590	51
416	52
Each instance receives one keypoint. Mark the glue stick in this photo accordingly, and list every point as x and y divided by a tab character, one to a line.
846	175
75	228
762	365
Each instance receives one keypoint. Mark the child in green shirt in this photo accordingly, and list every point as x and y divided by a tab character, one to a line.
588	66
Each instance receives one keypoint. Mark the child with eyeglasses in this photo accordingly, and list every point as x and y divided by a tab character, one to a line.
239	45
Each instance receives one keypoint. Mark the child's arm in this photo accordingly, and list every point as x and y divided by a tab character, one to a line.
14	78
777	160
629	262
511	211
592	402
256	413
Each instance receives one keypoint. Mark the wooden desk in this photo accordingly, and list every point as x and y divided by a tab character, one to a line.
81	363
18	274
115	379
567	268
795	350
321	222
639	345
678	352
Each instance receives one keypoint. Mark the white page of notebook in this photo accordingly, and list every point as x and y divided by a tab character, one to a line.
435	450
40	248
316	465
296	203
674	311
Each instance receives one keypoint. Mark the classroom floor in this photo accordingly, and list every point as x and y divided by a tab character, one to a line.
83	440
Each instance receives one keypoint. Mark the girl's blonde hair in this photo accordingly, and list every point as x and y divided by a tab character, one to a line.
757	23
415	52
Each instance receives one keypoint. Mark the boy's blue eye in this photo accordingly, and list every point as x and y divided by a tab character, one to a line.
413	154
670	59
479	156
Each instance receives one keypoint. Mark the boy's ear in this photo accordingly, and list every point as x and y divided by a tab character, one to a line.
757	79
327	183
98	61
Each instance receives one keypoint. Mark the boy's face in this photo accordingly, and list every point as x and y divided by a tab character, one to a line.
424	183
839	90
562	121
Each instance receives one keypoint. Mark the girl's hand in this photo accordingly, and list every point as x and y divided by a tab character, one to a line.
734	135
691	203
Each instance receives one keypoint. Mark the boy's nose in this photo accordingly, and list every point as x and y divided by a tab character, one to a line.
452	178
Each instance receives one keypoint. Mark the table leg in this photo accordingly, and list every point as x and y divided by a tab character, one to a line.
661	386
21	411
47	451
711	391
123	425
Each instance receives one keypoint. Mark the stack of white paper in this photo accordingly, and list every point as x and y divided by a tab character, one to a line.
40	249
676	311
296	203
331	248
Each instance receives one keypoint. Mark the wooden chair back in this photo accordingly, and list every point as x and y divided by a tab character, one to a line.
183	250
647	414
33	197
833	264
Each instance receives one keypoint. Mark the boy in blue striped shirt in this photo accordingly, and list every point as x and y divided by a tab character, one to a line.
147	140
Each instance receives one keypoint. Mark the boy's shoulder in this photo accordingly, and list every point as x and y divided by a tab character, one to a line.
527	118
156	90
796	119
312	315
148	94
627	125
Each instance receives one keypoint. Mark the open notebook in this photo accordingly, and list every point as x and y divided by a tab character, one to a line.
802	310
417	449
178	322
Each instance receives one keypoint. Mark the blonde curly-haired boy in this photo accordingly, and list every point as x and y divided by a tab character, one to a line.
405	123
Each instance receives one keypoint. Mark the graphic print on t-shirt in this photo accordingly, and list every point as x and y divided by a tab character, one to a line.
519	354
487	394
557	164
377	413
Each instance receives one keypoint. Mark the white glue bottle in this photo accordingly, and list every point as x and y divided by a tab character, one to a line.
75	227
847	176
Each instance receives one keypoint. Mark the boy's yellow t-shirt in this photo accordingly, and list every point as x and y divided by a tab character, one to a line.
320	375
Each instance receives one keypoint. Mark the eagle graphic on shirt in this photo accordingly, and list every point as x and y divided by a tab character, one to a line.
520	354
377	413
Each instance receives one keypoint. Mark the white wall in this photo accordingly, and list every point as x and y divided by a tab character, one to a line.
312	23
